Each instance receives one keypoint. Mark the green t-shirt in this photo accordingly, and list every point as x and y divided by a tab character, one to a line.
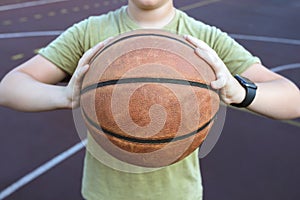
180	181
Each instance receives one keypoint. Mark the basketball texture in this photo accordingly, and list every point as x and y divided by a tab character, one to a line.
146	98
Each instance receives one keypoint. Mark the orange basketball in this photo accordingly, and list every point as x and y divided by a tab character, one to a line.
146	98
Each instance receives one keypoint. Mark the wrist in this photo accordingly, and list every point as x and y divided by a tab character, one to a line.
250	91
62	100
239	95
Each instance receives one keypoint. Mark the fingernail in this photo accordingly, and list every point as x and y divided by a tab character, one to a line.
198	50
108	40
85	67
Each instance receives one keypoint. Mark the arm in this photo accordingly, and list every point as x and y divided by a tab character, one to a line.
276	97
31	86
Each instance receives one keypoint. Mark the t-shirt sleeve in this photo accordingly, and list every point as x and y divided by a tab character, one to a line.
66	50
236	57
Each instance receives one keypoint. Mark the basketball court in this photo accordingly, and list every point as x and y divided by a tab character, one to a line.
255	157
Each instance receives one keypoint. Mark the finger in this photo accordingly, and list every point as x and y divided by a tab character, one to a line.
81	72
213	60
197	43
100	45
76	82
218	67
91	52
74	85
220	82
190	39
207	53
78	75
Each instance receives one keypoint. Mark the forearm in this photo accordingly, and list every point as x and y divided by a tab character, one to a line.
21	92
278	99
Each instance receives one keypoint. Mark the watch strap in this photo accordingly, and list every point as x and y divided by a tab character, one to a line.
250	92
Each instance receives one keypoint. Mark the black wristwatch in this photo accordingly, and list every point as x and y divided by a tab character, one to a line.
250	88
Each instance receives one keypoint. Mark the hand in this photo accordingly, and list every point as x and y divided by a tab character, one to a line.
74	86
230	90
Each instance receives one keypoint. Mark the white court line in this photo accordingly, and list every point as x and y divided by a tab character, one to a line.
235	36
42	169
29	34
286	67
266	39
28	4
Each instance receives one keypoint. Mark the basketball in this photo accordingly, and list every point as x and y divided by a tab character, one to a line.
146	99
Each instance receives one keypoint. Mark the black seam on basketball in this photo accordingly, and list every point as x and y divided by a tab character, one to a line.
146	141
146	80
139	35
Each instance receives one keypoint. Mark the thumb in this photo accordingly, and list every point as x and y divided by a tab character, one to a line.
77	78
74	85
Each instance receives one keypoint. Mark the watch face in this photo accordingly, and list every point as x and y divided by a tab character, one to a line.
251	85
246	82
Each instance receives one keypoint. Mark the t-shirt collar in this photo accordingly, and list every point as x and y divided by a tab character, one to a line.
133	25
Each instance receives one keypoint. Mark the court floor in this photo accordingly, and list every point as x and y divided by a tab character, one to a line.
255	157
